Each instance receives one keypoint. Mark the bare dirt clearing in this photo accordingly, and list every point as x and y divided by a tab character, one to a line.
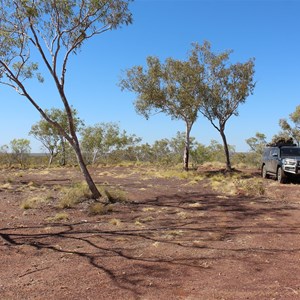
174	239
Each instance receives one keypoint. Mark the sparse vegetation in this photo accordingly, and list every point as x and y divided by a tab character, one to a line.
115	222
61	216
250	187
113	195
100	209
74	195
34	202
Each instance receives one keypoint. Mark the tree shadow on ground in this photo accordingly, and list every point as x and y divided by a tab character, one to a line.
183	230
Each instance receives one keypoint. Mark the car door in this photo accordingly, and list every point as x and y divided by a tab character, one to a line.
266	159
274	160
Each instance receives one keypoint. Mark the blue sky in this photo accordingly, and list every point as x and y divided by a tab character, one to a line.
266	30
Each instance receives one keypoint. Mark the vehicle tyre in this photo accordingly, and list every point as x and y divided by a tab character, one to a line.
264	172
281	176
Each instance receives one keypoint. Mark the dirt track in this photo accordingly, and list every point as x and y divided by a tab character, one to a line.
174	239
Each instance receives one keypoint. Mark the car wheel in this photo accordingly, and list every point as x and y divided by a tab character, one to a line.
264	172
281	176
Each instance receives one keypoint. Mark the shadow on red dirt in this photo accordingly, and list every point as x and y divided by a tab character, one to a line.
172	240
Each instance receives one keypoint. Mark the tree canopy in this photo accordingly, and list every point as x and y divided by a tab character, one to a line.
174	88
228	86
52	140
206	82
49	32
291	130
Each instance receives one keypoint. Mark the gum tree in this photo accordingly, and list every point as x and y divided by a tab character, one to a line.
49	32
102	139
292	130
174	88
50	137
257	143
20	149
228	86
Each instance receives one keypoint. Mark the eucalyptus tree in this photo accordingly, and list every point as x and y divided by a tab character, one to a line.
20	149
292	130
177	144
257	143
5	156
102	139
49	32
228	86
174	88
51	138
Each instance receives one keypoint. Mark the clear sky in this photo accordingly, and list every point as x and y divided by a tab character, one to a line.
267	30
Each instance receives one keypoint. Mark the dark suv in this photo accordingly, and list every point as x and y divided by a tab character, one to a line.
282	161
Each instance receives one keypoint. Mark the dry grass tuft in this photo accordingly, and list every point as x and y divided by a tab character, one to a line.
115	222
182	215
99	209
250	187
113	195
62	216
35	202
74	195
6	186
146	209
234	184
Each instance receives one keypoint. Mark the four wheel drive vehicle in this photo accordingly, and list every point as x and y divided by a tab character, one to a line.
283	162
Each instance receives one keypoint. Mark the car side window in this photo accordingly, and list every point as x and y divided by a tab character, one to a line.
274	152
267	153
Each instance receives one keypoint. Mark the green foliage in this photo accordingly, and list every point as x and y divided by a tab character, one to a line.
227	86
289	130
174	88
257	145
5	156
20	149
105	140
50	31
201	154
281	138
52	139
205	82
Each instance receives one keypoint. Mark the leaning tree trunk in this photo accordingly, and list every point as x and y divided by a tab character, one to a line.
226	150
73	140
88	178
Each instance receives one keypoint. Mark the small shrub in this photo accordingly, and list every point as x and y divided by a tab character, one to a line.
74	195
182	215
251	187
213	165
58	217
99	209
113	195
27	204
146	209
138	223
34	202
9	180
6	186
115	222
147	219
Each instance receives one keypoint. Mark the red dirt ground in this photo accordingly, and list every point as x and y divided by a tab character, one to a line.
171	240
